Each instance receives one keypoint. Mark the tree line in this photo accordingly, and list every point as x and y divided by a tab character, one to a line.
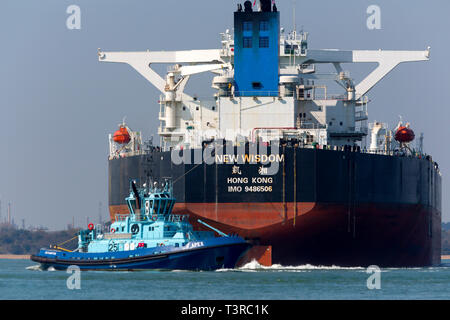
19	241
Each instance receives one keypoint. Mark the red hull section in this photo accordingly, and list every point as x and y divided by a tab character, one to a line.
327	233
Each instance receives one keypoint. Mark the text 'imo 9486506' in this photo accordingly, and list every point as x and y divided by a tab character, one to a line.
333	197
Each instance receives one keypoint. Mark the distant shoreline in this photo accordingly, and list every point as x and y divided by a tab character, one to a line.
15	256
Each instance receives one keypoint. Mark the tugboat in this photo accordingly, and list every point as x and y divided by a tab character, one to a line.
149	237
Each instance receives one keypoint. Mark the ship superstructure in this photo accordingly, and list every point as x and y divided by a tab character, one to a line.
267	86
277	158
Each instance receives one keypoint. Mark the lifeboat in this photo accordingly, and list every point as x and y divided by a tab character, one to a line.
122	136
404	134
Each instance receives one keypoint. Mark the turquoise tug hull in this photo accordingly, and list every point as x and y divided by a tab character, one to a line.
210	254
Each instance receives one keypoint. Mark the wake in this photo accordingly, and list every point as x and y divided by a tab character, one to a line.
254	266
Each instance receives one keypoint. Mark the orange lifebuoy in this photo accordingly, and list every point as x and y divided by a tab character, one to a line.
90	226
154	217
112	230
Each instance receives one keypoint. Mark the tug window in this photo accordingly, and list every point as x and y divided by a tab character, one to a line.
151	205
156	207
132	205
166	206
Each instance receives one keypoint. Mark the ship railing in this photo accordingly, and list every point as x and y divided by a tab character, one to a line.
166	218
176	218
398	153
256	93
311	96
126	154
121	217
311	125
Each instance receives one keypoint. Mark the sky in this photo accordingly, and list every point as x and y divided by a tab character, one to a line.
58	103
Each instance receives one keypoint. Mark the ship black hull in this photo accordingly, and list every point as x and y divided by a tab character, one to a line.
322	207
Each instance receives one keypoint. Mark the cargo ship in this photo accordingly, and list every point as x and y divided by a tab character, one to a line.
276	158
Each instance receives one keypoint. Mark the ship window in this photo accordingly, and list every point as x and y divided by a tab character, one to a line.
263	42
256	85
340	123
247	26
264	25
177	244
331	123
290	49
247	42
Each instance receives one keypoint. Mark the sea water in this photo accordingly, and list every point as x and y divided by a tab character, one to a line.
23	279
